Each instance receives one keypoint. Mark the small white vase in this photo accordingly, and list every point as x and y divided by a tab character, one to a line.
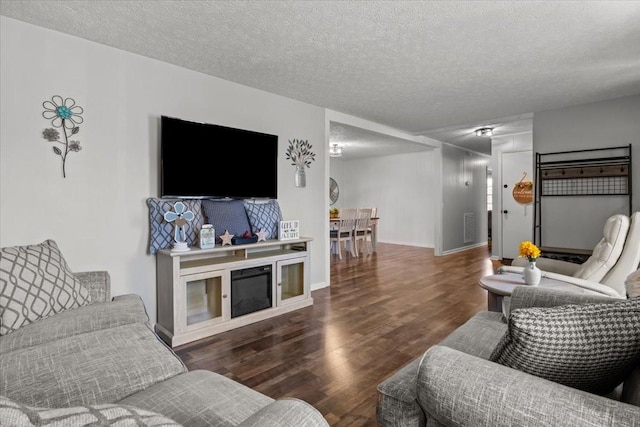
532	274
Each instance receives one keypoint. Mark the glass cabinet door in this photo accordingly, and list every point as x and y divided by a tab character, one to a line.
206	298
291	280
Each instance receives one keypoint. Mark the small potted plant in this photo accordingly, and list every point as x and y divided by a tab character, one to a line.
334	213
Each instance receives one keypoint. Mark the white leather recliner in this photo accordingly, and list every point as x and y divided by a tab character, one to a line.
615	257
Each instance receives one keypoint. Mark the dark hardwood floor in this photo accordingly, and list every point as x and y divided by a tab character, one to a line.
380	312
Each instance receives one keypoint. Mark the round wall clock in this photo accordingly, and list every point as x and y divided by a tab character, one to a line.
334	191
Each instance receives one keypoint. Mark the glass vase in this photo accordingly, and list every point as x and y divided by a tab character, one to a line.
532	274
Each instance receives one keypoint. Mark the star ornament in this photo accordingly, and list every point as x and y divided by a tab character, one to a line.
226	238
262	235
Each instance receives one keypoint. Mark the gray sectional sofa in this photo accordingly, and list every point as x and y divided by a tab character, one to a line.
102	363
456	384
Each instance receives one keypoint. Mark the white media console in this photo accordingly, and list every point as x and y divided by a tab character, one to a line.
202	292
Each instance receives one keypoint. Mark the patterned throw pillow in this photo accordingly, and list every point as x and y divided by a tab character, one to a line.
161	231
226	215
15	414
264	215
36	282
591	347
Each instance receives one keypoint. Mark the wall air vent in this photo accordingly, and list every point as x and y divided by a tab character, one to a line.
469	227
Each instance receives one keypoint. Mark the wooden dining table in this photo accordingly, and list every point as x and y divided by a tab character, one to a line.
334	223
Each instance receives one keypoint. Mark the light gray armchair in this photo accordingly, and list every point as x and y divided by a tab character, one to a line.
615	257
455	384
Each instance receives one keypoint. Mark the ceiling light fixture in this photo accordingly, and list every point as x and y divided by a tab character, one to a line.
484	132
335	150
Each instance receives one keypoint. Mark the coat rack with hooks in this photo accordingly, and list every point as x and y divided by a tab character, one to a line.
594	172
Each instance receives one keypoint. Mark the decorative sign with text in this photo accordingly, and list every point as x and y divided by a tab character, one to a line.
523	191
289	230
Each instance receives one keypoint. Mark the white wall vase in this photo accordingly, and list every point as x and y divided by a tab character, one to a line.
532	274
300	176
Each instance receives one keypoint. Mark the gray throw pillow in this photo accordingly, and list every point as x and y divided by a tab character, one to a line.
161	232
264	215
36	282
226	215
16	414
591	347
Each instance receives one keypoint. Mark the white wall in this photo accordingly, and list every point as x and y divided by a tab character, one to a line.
576	222
401	188
405	188
98	213
464	189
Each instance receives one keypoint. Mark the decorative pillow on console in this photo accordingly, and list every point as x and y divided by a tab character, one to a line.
264	215
228	215
161	231
36	282
15	414
591	347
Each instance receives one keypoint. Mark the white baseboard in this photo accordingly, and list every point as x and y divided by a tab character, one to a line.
415	245
320	285
465	248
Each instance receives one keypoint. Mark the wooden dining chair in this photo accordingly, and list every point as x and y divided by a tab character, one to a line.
343	235
362	232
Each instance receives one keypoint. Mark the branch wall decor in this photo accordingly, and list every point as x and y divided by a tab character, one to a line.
66	115
301	156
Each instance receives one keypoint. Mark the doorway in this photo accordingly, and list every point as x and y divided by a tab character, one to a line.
516	218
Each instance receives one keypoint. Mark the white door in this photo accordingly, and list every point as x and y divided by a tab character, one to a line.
517	218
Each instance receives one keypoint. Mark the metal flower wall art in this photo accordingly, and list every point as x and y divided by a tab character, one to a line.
301	156
66	116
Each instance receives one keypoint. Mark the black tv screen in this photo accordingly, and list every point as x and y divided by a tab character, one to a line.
201	160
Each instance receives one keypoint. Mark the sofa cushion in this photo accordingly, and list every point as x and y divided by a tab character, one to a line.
607	251
591	347
286	412
123	310
479	335
102	366
397	398
264	215
456	389
397	395
226	215
200	398
161	232
36	282
15	414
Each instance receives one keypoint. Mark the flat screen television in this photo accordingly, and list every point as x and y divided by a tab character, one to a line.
201	160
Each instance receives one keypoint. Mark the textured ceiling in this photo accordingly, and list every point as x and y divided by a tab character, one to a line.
419	66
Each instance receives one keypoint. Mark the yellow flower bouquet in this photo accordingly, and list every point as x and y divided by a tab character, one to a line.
529	250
